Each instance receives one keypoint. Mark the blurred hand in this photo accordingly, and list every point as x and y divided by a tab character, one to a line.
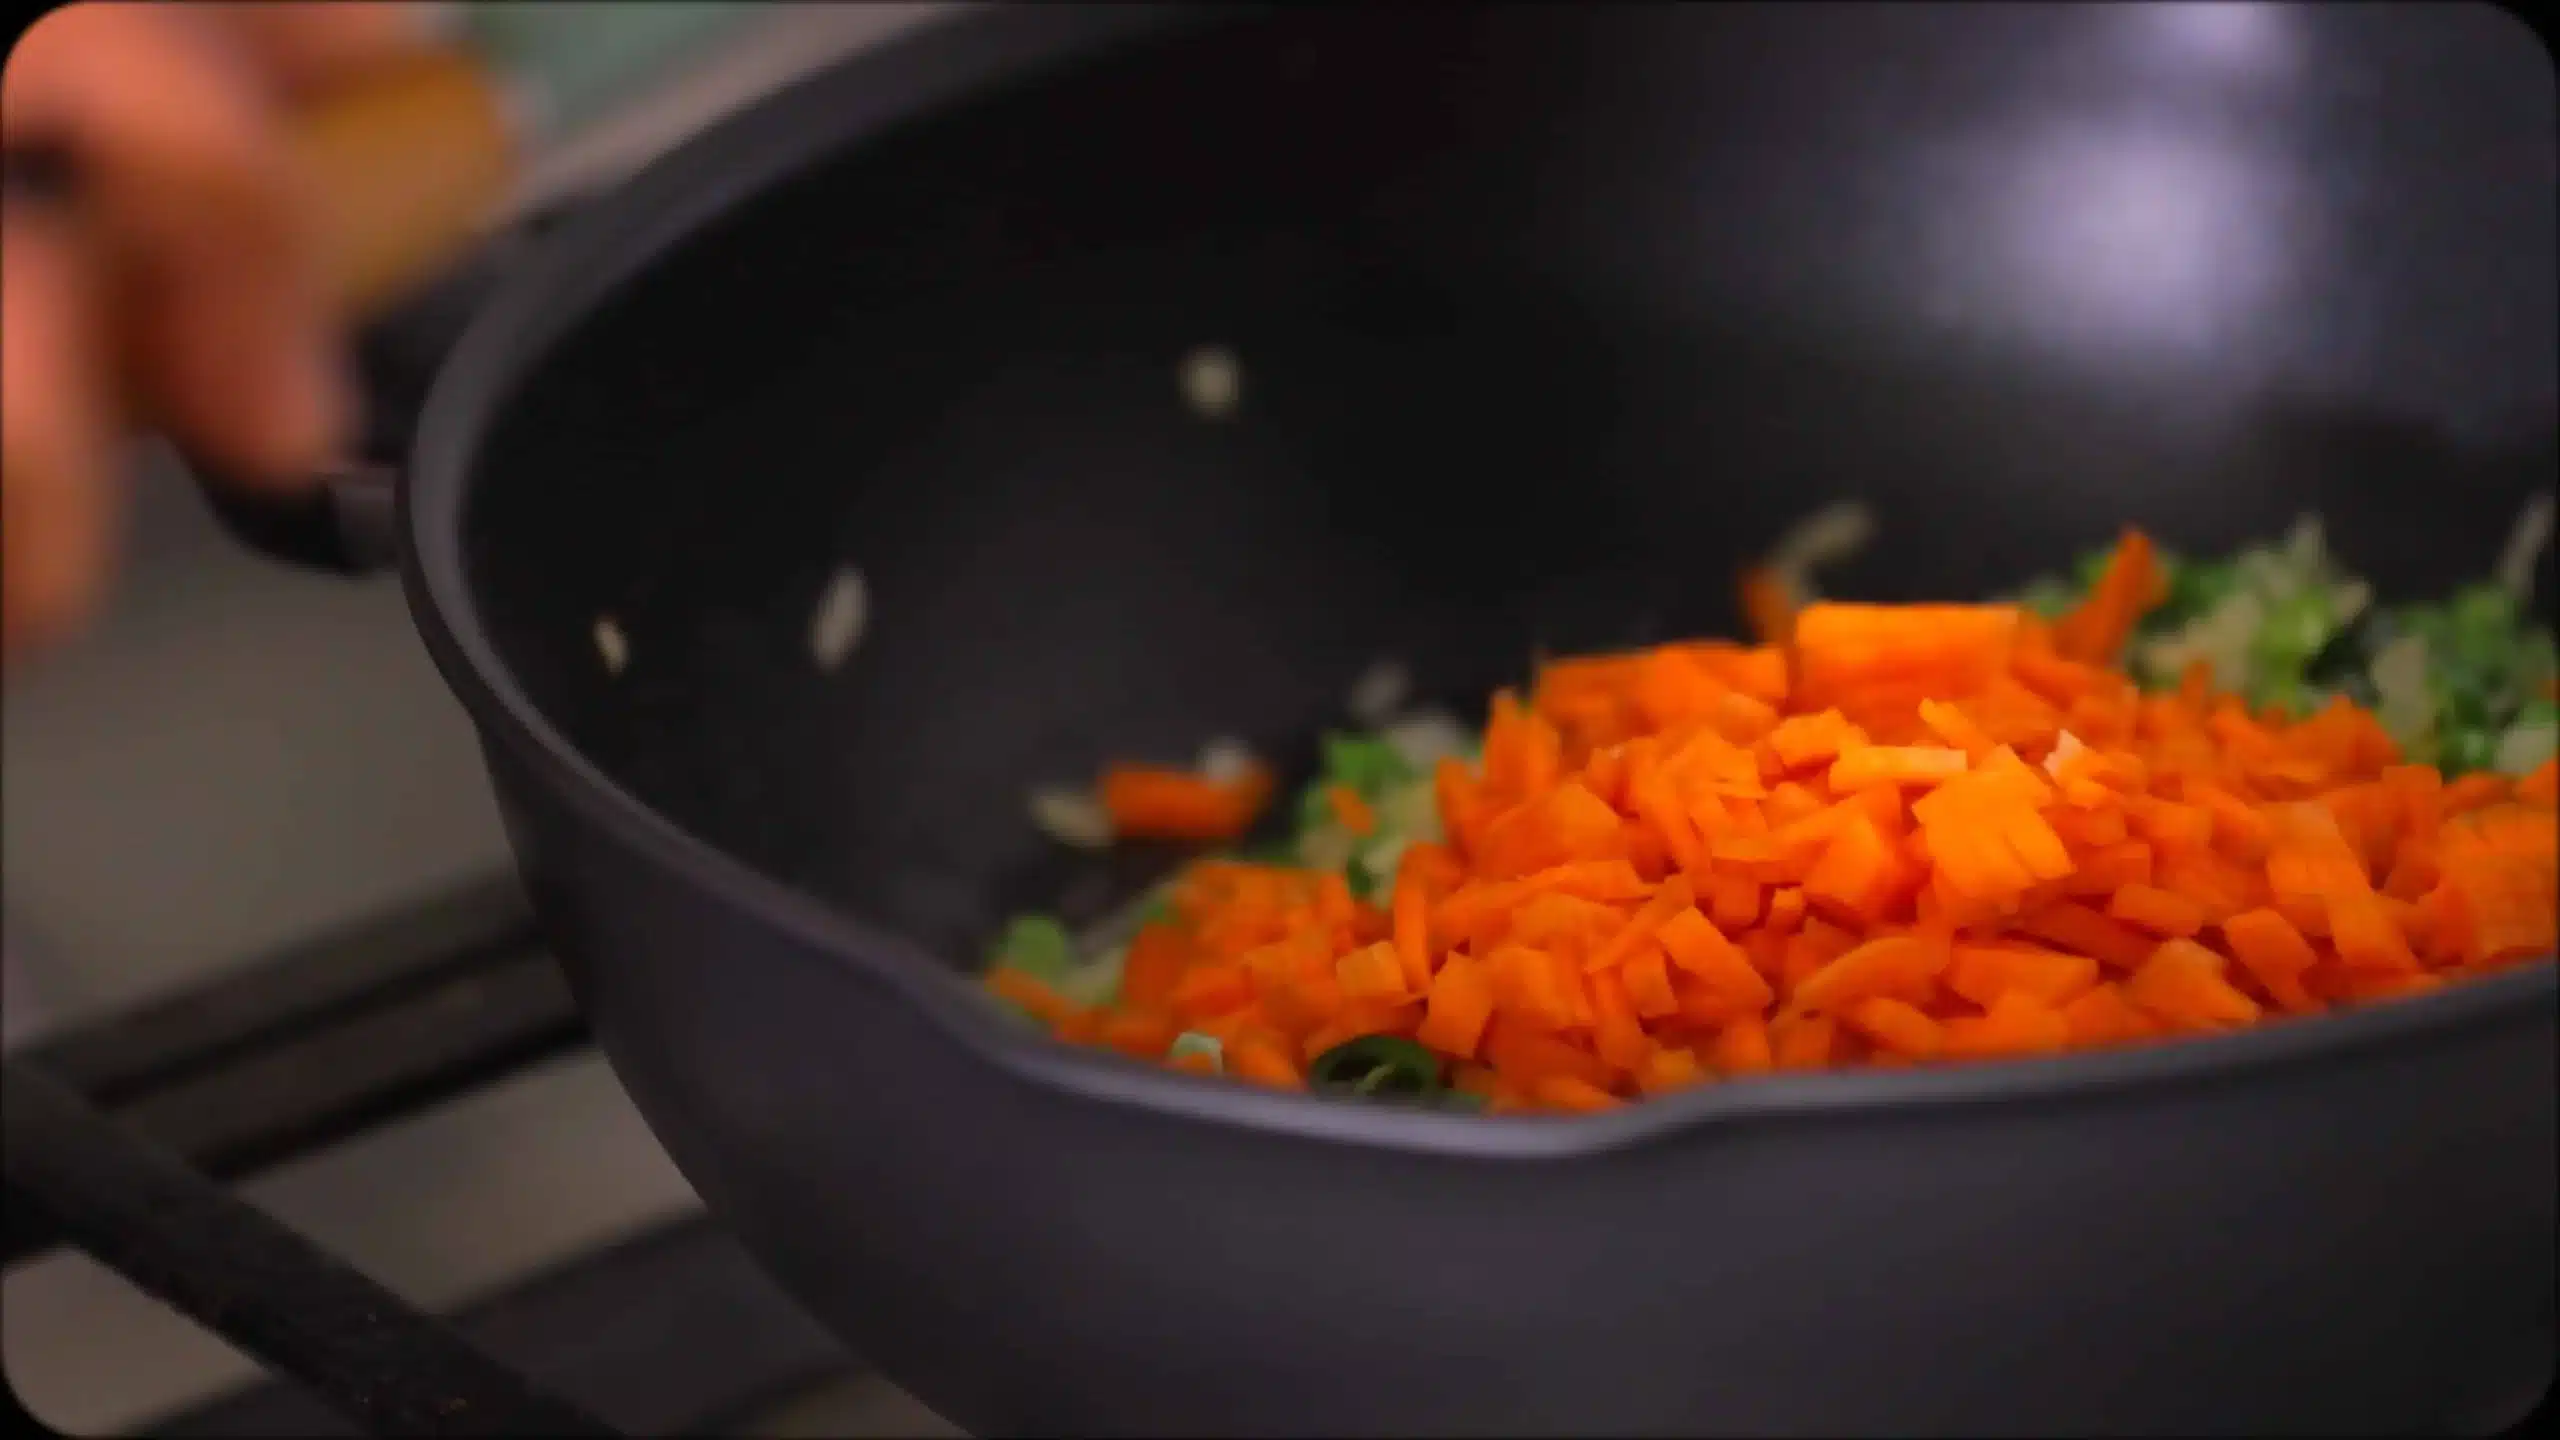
173	288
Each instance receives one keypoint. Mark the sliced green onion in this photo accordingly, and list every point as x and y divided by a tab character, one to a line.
1192	1042
2534	738
1378	1065
1037	945
1366	763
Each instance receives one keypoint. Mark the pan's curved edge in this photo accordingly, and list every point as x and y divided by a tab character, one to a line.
684	191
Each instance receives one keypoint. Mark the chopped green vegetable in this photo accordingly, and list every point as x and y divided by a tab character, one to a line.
1192	1042
1037	945
1378	1065
1366	763
2282	625
2195	588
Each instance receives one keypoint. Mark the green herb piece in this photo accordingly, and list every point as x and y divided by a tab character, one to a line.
1378	1065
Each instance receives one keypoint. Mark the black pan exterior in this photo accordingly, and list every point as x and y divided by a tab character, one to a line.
1546	318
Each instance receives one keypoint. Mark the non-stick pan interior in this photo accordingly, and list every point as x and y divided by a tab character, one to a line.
1545	320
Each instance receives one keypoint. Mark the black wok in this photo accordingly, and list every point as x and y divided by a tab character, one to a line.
1546	319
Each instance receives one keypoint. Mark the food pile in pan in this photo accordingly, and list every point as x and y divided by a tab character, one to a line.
2169	797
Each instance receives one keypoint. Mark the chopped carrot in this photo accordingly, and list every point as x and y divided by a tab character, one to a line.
1213	989
2274	953
1985	973
1896	833
1372	972
1526	1054
1572	1092
2132	583
2162	912
1885	966
1669	1068
2015	1024
1158	803
1742	1047
2182	984
1649	987
2102	1016
1351	810
1158	959
1261	1056
1140	1034
2078	928
1697	947
1801	1042
1460	1003
1895	765
1896	1026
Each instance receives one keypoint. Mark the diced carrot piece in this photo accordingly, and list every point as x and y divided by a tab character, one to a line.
1460	1003
2541	785
1895	1026
1888	965
1524	1054
1351	810
1409	909
1669	1068
2105	869
1372	972
1984	973
1742	1047
2365	936
1572	1092
1139	1034
1895	765
2092	827
1179	805
2182	985
1671	899
2015	1024
1615	1031
2077	928
1801	1042
1733	901
1264	1058
1534	984
2102	1016
1786	910
2274	953
1157	960
1697	947
1803	741
1857	877
2472	791
2161	912
1213	989
1648	982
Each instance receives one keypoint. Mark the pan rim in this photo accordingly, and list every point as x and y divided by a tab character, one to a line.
704	179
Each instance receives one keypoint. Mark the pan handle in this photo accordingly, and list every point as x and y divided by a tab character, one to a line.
408	171
348	523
